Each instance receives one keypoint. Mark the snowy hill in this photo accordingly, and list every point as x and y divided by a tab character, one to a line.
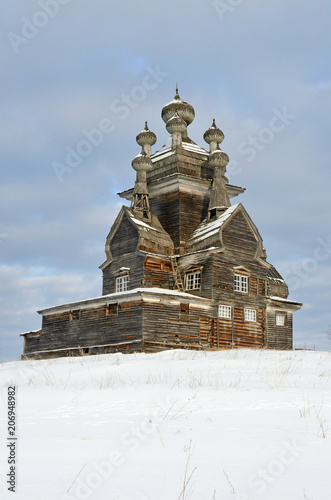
230	425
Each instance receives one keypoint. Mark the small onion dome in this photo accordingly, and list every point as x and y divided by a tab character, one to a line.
218	159
146	137
142	162
176	124
184	110
213	134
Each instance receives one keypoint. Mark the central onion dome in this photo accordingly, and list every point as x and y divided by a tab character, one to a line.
184	110
176	124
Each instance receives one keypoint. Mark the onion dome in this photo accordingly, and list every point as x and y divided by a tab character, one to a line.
184	110
218	159
176	124
142	162
213	134
146	137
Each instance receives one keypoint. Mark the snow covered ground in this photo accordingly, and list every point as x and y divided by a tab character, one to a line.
230	425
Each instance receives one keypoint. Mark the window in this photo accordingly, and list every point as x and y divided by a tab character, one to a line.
184	308
240	283
74	315
112	309
122	283
193	280
225	311
250	315
280	319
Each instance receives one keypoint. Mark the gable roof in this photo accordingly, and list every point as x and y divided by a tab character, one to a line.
152	237
209	234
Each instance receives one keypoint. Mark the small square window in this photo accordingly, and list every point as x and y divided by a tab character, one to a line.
250	315
74	315
122	283
111	309
184	308
240	283
193	280
225	311
281	319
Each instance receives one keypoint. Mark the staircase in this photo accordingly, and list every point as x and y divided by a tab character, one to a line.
176	273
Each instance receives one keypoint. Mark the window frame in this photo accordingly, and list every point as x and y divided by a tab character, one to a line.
247	312
281	314
122	283
225	307
238	284
195	280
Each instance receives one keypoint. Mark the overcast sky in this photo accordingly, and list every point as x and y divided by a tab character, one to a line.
261	68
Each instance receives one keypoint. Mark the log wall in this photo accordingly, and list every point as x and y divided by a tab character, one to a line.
125	240
181	211
278	337
238	237
94	330
134	261
158	273
172	325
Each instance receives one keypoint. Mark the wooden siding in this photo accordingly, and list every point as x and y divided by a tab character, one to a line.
158	273
262	286
248	334
95	330
125	240
31	343
193	209
134	261
184	162
279	337
166	207
223	333
238	237
181	211
167	326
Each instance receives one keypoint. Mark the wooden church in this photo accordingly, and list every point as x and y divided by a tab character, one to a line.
184	268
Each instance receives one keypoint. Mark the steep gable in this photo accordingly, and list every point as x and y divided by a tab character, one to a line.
239	235
125	238
130	233
232	231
